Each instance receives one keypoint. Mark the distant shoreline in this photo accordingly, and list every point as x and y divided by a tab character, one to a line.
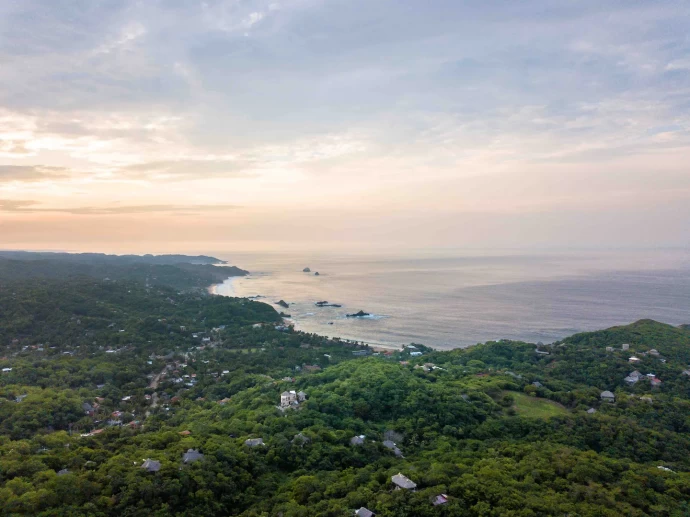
213	290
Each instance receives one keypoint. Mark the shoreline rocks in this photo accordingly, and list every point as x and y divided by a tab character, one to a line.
283	303
360	314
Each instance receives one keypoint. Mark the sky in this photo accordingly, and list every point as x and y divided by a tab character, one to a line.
173	125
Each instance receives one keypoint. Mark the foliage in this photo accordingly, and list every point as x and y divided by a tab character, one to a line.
104	374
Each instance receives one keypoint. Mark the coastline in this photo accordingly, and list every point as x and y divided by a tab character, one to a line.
213	289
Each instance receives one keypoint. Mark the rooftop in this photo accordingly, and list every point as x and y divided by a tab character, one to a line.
403	481
151	465
191	456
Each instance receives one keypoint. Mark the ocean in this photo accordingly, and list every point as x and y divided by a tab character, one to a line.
455	299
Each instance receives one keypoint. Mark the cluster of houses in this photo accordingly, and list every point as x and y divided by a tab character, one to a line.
427	367
191	456
634	359
636	377
413	351
653	352
633	379
387	443
292	399
624	347
402	482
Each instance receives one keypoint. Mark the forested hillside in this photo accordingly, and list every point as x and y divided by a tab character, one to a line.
131	398
176	271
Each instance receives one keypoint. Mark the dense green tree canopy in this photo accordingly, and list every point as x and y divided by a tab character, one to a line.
100	375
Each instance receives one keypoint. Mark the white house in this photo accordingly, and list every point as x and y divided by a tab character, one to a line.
288	398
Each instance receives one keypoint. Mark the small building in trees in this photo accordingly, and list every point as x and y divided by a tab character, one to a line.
191	456
403	482
607	396
364	512
388	444
357	440
301	440
439	500
151	465
288	398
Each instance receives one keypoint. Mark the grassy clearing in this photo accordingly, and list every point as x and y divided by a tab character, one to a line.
534	407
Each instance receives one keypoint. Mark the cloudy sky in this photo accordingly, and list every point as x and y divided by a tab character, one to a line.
158	125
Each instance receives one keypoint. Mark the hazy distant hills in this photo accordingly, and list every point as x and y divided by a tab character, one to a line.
102	258
177	271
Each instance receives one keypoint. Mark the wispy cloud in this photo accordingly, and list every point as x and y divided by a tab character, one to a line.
25	206
31	173
284	105
188	169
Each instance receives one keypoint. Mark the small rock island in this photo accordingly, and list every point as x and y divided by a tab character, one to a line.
326	304
306	270
359	314
283	303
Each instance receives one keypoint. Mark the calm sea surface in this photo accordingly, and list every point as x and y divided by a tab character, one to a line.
449	301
